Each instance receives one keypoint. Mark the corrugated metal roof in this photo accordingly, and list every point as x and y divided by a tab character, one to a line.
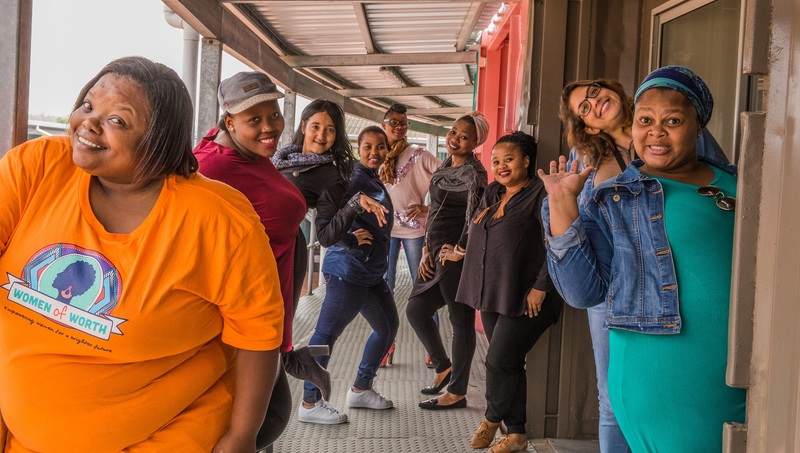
344	28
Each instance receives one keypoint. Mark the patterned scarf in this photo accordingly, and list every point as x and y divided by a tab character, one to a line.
387	171
463	178
292	156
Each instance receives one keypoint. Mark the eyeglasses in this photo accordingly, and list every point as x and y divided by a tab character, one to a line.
724	202
585	106
395	123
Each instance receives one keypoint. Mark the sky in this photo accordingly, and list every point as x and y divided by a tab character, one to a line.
72	40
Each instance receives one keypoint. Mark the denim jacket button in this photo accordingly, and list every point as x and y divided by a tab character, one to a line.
615	198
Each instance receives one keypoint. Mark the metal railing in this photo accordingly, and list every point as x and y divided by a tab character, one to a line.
311	216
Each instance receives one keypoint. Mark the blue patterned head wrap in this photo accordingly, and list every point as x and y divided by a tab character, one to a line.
684	81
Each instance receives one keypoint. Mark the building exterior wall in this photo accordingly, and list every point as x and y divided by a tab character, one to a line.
774	397
611	38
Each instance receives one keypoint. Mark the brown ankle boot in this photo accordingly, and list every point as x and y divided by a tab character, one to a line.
508	445
484	435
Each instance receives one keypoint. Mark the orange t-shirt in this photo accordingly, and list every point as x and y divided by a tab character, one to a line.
114	342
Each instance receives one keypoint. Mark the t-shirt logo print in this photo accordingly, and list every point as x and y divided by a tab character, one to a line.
72	286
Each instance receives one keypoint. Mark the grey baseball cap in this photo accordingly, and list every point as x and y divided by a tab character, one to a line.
246	89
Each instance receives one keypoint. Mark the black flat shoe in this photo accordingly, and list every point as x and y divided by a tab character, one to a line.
434	389
433	405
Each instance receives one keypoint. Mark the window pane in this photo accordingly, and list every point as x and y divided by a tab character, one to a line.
706	40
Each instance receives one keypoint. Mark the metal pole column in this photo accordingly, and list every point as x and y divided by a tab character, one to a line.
15	70
289	112
210	67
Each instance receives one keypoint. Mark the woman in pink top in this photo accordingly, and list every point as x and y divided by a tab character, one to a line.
407	175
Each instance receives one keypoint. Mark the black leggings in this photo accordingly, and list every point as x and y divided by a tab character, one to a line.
510	339
420	310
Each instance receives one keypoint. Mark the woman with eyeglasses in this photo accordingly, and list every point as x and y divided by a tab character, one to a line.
406	174
652	247
597	116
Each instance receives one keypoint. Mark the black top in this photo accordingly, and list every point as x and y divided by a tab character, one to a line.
365	264
506	257
323	188
447	221
448	211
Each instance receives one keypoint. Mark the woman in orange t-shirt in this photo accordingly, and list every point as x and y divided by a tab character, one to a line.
139	287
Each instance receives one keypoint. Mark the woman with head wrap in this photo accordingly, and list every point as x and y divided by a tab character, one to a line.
655	244
597	116
456	188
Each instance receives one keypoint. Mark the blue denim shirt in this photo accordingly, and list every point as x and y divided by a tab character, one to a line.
365	264
617	251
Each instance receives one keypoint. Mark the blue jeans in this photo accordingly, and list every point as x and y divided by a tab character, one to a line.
343	302
611	438
413	248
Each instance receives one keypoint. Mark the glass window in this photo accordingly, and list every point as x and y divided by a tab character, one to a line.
706	40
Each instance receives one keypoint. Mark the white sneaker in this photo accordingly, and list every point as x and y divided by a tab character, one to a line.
322	413
368	399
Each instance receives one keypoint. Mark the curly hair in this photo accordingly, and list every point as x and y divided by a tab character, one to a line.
342	150
526	144
166	147
395	108
594	146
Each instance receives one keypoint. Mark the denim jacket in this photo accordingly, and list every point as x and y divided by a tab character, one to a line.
617	251
365	264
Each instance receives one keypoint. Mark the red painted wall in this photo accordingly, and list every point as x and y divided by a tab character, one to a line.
500	74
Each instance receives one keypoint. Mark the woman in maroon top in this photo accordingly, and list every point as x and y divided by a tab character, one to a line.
237	152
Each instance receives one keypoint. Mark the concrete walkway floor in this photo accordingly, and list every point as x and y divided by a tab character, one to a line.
406	427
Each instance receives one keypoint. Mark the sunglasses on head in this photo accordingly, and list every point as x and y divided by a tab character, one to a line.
585	106
723	201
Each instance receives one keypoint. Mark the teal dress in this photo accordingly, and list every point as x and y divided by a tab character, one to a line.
668	391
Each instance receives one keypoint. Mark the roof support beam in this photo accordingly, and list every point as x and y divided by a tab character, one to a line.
213	20
407	91
470	22
379	59
363	25
363	1
467	77
444	111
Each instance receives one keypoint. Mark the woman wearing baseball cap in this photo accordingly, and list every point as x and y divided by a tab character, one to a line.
237	152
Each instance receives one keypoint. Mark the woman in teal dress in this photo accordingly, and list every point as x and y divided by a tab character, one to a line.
655	242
